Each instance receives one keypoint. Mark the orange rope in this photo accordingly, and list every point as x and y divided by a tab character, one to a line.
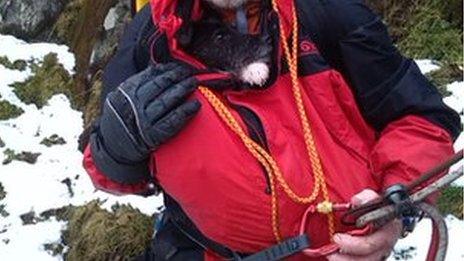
269	163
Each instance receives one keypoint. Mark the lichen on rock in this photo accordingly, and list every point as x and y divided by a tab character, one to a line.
49	78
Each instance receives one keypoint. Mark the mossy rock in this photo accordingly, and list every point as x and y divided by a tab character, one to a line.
60	214
3	212
97	234
2	192
49	78
93	233
29	218
448	73
19	65
25	156
451	201
2	143
54	249
54	139
9	111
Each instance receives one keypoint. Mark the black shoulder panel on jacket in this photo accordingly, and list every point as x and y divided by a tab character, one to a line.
387	85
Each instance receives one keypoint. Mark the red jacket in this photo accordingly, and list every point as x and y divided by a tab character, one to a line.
222	188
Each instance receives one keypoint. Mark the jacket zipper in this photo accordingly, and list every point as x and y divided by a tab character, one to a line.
256	132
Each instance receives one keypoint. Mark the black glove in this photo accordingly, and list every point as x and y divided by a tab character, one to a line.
142	113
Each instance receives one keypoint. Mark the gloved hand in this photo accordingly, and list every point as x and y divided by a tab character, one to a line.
146	110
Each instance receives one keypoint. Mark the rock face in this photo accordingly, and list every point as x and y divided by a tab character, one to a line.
90	28
113	26
31	20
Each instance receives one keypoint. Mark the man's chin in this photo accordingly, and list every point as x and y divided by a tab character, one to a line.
227	4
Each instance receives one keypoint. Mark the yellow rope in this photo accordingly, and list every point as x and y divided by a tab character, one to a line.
272	169
292	61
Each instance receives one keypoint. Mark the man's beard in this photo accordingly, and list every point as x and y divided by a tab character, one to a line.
227	4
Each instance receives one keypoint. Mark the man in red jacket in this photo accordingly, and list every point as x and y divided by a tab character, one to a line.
342	116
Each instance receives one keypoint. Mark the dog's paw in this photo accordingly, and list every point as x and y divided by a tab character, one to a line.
255	73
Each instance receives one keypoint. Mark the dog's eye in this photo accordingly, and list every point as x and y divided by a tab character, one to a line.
218	36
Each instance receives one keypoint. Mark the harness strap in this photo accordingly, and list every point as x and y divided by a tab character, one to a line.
179	219
282	250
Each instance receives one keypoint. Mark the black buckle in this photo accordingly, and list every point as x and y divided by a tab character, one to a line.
282	250
405	209
398	195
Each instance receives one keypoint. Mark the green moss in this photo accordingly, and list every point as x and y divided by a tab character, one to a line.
19	65
430	36
49	78
428	29
447	74
97	234
9	111
451	201
452	12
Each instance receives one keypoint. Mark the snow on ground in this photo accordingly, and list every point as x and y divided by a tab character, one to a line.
38	187
427	66
17	49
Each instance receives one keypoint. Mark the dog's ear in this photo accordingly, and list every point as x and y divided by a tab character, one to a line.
185	34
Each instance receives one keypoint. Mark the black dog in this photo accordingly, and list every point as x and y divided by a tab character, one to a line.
223	48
